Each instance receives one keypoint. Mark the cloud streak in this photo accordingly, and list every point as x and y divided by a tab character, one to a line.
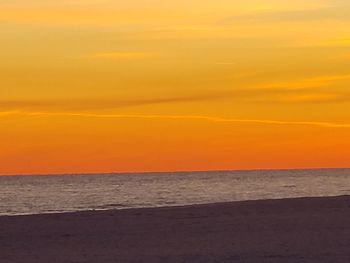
7	113
299	91
337	13
100	104
315	89
312	82
119	55
185	117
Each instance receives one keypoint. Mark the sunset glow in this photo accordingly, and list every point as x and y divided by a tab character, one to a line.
144	85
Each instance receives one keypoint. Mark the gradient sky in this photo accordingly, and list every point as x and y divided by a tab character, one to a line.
150	85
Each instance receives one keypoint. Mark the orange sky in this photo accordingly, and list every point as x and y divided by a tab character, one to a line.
142	85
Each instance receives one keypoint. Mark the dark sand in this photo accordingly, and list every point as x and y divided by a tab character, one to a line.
291	230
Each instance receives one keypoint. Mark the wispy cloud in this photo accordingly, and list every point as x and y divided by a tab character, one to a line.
331	12
7	113
226	63
188	117
311	82
316	89
119	55
340	42
306	90
346	56
101	104
307	97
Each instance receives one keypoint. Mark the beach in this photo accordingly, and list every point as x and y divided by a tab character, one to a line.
285	230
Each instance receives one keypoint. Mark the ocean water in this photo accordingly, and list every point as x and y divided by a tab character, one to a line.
66	193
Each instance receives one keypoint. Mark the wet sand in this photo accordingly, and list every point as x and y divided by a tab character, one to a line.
288	230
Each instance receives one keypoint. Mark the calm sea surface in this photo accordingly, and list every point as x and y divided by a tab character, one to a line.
52	194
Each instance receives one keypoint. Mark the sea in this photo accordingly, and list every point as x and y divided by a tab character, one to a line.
38	194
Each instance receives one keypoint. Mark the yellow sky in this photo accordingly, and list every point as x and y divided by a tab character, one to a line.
142	85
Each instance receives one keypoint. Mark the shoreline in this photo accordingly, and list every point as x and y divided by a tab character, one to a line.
72	213
293	230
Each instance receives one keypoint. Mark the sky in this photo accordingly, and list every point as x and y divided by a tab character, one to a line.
147	85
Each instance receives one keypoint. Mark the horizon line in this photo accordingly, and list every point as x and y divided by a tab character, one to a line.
177	171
